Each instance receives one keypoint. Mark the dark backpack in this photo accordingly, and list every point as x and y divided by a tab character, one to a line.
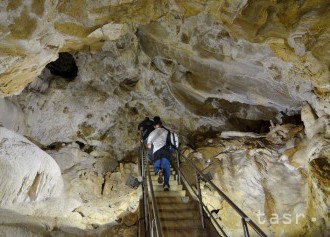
172	141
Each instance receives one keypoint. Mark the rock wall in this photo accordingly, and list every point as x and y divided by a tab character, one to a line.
33	32
27	173
222	73
239	50
103	105
279	181
11	116
203	67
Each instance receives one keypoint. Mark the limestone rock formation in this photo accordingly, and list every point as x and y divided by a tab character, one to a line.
33	33
268	187
204	67
238	55
280	181
27	173
11	115
91	202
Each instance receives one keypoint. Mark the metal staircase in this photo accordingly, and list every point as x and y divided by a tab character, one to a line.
178	212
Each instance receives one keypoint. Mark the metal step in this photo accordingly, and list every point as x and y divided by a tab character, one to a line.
155	177
172	182
173	172
179	214
171	193
182	224
175	187
174	200
176	206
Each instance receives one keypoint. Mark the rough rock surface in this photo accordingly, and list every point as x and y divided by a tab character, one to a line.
27	173
102	105
237	50
90	204
281	181
11	115
204	67
33	32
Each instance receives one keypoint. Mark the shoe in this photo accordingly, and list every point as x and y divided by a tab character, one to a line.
160	176
166	187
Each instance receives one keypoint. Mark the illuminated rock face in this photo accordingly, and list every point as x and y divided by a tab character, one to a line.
33	32
257	57
199	65
248	75
11	115
280	185
27	173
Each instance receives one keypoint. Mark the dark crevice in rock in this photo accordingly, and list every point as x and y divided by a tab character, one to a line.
88	149
32	193
58	145
128	84
95	226
85	147
235	124
103	184
79	212
65	66
294	119
55	146
246	125
81	145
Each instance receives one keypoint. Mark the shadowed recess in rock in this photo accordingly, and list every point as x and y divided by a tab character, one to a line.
65	66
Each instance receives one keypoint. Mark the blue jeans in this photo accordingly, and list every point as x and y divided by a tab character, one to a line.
165	165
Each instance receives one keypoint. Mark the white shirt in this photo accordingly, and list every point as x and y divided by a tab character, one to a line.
158	138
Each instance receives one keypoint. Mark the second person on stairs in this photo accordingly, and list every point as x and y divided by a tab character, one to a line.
161	155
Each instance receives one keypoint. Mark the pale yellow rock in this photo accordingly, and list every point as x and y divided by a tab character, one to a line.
269	187
109	31
199	65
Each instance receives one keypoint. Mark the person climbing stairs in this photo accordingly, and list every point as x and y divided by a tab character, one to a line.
173	211
178	212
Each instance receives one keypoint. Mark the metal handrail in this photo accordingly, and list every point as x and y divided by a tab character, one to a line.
147	182
177	168
144	184
154	205
245	218
156	221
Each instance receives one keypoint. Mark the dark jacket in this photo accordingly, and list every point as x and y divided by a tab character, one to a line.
147	126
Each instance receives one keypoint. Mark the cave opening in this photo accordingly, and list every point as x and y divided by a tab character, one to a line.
263	126
293	119
242	125
256	126
85	147
65	66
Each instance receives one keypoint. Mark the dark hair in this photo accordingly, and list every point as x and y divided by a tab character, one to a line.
157	120
146	118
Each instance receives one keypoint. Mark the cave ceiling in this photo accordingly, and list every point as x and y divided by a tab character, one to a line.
249	58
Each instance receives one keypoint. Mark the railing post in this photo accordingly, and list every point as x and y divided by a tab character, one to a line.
152	227
142	162
145	183
245	228
178	164
146	203
200	199
247	220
